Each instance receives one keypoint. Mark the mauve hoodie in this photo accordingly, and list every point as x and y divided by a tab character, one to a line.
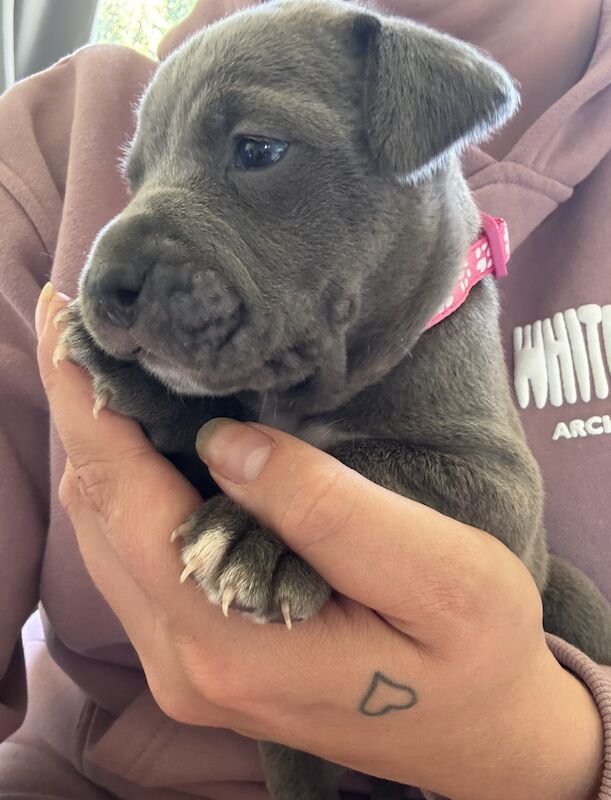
91	721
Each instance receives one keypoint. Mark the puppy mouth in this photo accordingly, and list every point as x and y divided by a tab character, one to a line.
281	372
232	369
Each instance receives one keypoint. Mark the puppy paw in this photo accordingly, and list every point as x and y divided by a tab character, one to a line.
75	344
245	567
74	341
117	384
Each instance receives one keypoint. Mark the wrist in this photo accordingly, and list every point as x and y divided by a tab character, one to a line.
542	741
553	744
571	744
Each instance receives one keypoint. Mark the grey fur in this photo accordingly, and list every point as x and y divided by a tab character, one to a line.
297	295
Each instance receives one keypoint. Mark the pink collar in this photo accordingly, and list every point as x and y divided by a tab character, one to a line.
487	256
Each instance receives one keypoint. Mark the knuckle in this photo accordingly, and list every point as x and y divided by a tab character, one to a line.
99	482
463	588
49	375
94	485
223	691
479	597
174	702
68	493
218	681
322	504
462	603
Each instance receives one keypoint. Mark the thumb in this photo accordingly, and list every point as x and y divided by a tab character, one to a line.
383	550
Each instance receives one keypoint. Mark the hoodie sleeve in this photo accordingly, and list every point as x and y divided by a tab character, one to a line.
597	679
60	135
23	447
30	207
33	159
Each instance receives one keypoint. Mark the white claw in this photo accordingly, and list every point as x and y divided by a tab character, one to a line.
286	613
63	315
188	570
101	401
227	599
179	532
60	354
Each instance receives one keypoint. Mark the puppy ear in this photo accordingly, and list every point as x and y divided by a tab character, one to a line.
427	95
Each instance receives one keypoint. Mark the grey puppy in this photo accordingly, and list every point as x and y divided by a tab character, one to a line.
298	214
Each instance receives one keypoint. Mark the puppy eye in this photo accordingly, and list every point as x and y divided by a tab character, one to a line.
258	153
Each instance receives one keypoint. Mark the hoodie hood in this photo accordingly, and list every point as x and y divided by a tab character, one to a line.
557	153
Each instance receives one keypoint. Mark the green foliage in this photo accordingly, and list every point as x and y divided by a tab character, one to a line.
138	23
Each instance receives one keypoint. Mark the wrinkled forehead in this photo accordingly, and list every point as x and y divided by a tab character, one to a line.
261	44
288	66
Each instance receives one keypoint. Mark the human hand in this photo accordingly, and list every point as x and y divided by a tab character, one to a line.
430	667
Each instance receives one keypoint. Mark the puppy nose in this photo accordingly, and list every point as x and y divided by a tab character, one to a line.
116	290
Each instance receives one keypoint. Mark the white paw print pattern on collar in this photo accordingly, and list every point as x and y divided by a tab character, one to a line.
487	256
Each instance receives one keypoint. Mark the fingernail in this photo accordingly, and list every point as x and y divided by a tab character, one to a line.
235	450
42	307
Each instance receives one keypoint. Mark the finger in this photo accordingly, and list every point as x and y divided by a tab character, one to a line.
137	496
378	548
145	623
70	397
122	593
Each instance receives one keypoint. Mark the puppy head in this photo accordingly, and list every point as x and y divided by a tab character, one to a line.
293	178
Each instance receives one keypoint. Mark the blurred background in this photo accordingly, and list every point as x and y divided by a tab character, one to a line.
36	33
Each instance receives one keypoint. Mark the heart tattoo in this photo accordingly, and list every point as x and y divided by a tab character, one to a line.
385	695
